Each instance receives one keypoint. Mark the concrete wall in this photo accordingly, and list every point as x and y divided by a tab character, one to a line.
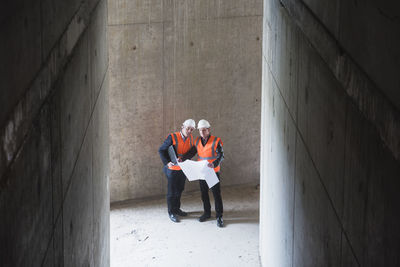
54	195
171	60
330	134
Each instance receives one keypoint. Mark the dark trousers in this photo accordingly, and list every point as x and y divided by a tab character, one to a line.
176	185
216	190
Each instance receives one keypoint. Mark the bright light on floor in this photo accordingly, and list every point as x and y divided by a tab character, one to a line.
143	235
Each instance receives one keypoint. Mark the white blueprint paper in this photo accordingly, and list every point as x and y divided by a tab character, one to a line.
195	170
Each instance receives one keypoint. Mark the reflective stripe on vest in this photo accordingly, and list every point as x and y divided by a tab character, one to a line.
207	157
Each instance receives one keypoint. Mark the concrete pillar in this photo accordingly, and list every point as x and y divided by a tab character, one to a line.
330	134
54	196
172	60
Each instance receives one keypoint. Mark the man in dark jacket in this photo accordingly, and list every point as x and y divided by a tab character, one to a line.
181	143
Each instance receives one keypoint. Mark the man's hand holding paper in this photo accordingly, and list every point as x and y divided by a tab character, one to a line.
195	170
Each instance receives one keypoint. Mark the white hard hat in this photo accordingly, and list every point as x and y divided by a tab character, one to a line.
189	123
203	124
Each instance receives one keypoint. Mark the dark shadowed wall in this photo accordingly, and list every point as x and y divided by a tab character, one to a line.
54	196
330	145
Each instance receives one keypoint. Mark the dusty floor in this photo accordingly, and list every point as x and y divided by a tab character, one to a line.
143	235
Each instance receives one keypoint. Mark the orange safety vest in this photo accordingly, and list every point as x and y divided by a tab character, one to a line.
209	151
180	147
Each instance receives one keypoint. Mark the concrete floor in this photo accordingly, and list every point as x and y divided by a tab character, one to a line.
143	235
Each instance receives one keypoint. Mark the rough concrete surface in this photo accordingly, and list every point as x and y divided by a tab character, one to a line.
317	232
370	33
321	122
143	235
54	203
277	238
136	107
172	60
329	148
376	101
26	203
20	33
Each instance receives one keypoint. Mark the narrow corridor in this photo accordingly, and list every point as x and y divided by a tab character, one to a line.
304	94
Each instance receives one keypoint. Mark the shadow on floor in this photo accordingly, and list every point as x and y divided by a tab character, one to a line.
249	216
230	217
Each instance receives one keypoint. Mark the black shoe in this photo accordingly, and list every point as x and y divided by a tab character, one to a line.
220	222
204	217
174	217
181	213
